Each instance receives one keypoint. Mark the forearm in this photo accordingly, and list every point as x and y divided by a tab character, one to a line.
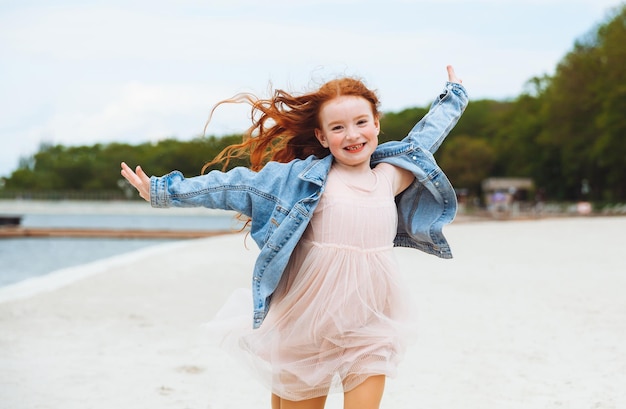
443	115
215	190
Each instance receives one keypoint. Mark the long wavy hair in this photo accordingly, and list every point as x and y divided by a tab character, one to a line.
283	126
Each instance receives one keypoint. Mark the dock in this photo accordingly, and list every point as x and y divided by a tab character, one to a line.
10	220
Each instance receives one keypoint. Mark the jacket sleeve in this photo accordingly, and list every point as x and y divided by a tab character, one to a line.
238	189
443	115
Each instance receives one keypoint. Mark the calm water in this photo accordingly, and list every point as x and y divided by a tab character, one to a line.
22	258
129	221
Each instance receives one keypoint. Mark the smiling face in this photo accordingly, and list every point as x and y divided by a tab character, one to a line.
349	129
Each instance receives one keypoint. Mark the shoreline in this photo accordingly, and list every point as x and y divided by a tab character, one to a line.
60	278
132	207
22	207
16	231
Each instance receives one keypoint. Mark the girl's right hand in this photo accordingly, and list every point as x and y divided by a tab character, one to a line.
138	179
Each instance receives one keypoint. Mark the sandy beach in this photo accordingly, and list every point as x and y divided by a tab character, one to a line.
529	314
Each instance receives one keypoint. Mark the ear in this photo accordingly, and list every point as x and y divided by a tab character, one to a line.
321	138
377	124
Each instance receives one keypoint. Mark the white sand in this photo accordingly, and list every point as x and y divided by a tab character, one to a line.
529	314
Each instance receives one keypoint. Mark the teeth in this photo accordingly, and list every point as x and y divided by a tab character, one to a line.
355	147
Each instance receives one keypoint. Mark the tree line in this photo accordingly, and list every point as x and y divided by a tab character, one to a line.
566	131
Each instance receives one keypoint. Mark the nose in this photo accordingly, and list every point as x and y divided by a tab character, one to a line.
352	132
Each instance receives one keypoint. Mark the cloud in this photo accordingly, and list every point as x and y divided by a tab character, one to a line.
132	112
135	71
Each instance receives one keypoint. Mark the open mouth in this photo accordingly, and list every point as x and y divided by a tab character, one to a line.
354	148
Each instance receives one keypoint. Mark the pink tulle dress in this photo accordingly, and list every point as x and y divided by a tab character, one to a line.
341	312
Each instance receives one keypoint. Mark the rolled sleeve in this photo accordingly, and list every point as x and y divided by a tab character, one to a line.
159	196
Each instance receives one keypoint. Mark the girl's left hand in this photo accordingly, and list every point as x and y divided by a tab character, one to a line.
452	75
138	179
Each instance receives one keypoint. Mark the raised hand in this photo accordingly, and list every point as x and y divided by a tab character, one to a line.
138	179
452	75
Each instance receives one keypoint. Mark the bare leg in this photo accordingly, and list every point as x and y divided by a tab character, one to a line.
367	395
315	403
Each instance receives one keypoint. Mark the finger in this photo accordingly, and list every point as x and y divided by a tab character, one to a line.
452	75
125	168
126	171
142	175
130	176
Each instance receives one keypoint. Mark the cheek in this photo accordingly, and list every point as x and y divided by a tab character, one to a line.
334	143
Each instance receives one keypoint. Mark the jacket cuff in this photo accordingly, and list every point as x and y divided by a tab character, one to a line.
459	90
159	195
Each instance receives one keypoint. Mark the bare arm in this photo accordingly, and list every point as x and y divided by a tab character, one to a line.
403	178
138	179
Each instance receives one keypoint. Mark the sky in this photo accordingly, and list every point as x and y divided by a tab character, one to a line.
80	72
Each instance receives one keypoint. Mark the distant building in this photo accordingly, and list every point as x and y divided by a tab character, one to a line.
505	194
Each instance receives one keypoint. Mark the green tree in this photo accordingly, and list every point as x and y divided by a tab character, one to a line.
396	125
467	162
608	150
584	114
561	130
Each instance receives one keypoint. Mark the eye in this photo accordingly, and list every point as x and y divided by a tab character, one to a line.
362	122
336	128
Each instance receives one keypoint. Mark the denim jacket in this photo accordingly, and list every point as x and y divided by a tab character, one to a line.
281	197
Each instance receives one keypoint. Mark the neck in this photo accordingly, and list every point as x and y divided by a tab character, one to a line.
362	168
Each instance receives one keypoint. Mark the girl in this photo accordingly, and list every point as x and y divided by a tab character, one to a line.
326	205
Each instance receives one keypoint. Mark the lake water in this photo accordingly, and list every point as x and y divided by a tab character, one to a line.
22	258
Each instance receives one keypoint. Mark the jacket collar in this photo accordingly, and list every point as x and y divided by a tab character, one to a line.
317	170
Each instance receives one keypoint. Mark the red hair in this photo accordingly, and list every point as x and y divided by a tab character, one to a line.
283	126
